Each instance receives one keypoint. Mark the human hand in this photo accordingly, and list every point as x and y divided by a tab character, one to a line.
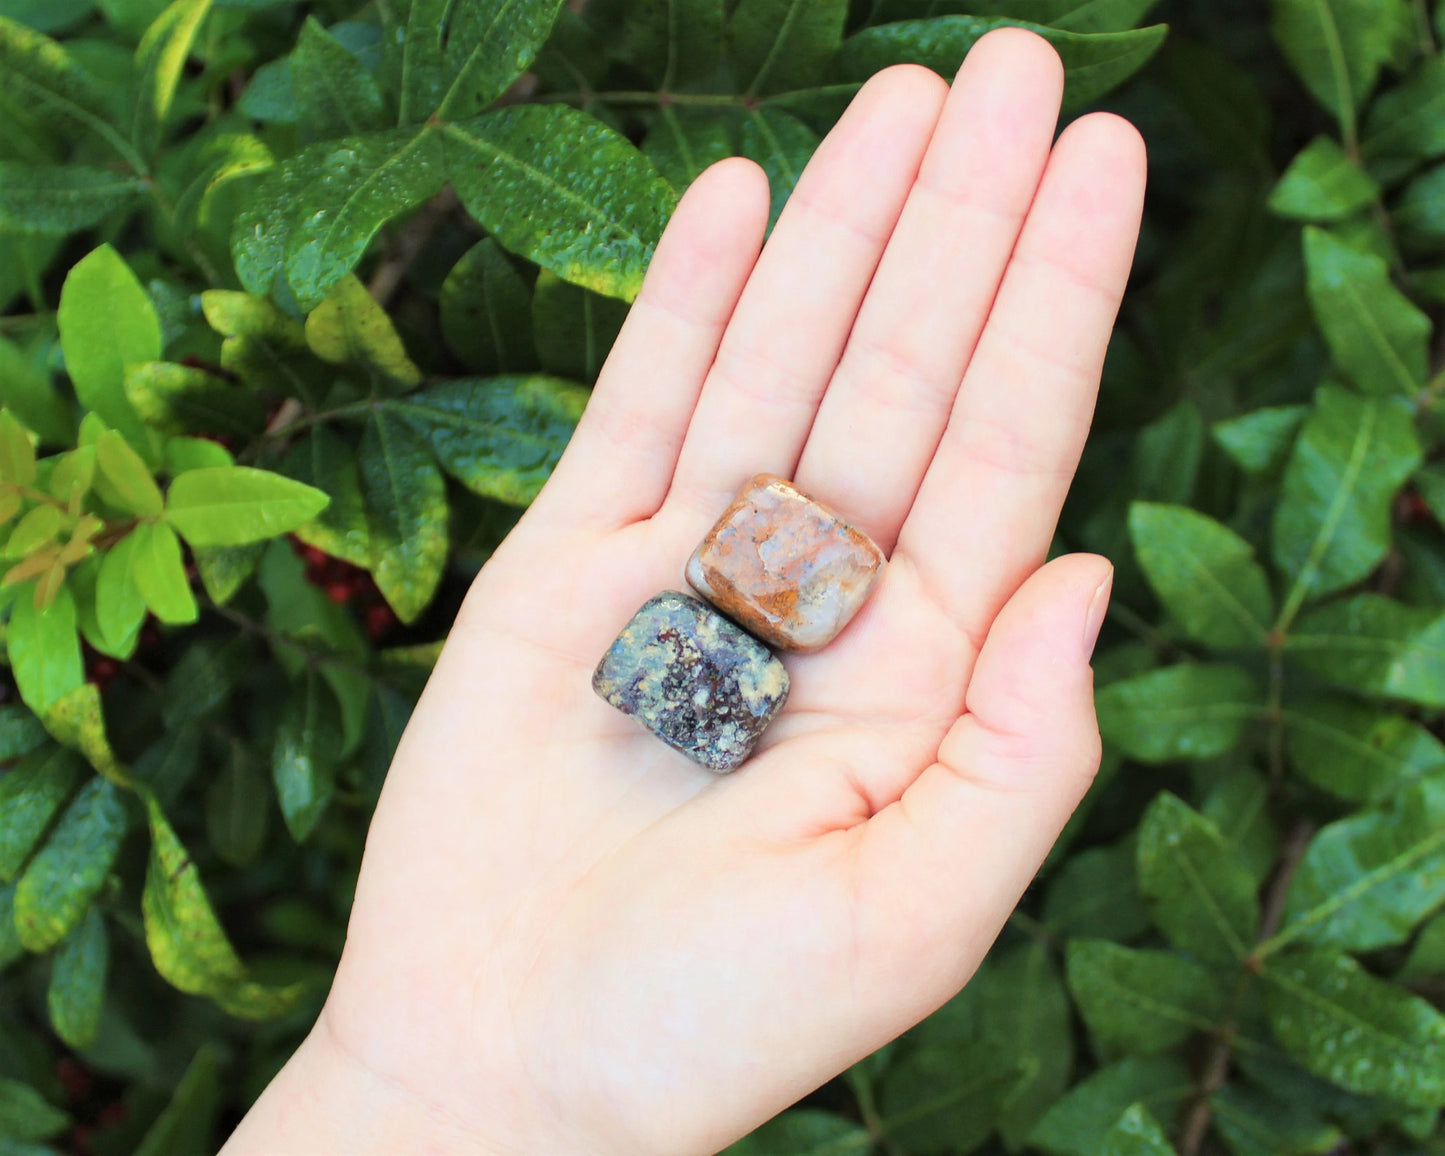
569	939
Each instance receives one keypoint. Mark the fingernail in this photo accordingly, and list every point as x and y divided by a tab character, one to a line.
1098	607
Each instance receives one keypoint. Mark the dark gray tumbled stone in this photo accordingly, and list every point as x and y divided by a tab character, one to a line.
693	679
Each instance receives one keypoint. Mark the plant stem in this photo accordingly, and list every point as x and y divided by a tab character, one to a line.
408	244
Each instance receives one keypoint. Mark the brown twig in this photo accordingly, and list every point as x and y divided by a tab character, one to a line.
406	247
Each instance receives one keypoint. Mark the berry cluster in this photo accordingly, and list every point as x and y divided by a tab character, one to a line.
84	1101
347	585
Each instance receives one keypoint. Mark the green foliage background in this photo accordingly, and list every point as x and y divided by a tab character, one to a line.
342	271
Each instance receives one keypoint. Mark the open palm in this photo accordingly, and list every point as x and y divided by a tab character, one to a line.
569	939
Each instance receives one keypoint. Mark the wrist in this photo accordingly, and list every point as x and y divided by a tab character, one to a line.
325	1101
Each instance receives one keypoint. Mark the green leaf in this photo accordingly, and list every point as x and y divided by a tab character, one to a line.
31	794
500	437
44	649
1374	646
1096	893
20	733
11	948
128	484
1356	752
1322	183
265	348
62	880
27	1115
183	454
1202	897
486	312
1376	335
678	42
120	608
159	572
335	94
37	529
1367	881
1359	1032
350	328
683	141
57	200
238	810
236	505
781	145
178	399
945	1100
1093	63
776	45
304	759
1259	442
1079	1123
1332	525
573	328
1419	214
320	458
1136	1134
1188	711
1238	803
805	1132
158	64
26	389
107	322
317	212
77	721
1252	1124
17	453
1141	1001
185	1124
407	503
1204	574
561	189
224	569
77	982
1408	122
1337	47
47	15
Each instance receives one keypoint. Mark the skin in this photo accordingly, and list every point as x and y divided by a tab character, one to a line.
567	938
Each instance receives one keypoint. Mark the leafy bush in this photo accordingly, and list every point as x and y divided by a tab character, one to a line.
298	306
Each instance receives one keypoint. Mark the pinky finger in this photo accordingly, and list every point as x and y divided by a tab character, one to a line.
619	464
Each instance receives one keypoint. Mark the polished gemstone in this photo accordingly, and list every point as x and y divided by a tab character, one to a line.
694	680
785	567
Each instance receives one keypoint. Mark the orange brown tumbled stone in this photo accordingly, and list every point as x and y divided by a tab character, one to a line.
785	567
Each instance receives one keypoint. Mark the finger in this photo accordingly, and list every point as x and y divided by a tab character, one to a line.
802	297
620	461
889	400
986	510
947	863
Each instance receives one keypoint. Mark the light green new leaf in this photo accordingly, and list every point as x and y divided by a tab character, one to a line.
1259	442
683	141
805	1132
107	322
350	328
335	94
486	312
1322	183
945	1100
185	1124
573	327
1359	1032
303	762
1372	645
31	795
159	61
1188	711
159	572
562	189
1201	895
1375	333
37	528
1079	1123
178	399
67	872
1337	47
777	45
1094	63
44	648
123	479
1367	881
406	500
781	145
1141	1001
1356	752
1254	1124
77	981
120	608
57	200
1136	1134
1096	893
1408	121
236	505
1332	525
499	436
26	1115
17	452
1204	574
322	459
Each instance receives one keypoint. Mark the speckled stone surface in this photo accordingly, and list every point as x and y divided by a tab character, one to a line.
784	566
694	680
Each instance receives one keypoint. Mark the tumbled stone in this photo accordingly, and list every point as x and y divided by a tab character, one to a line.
694	680
785	567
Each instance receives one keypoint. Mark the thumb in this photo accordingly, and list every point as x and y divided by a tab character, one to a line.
969	834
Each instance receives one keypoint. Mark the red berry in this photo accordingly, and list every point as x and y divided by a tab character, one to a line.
112	1114
379	619
150	636
338	592
73	1078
